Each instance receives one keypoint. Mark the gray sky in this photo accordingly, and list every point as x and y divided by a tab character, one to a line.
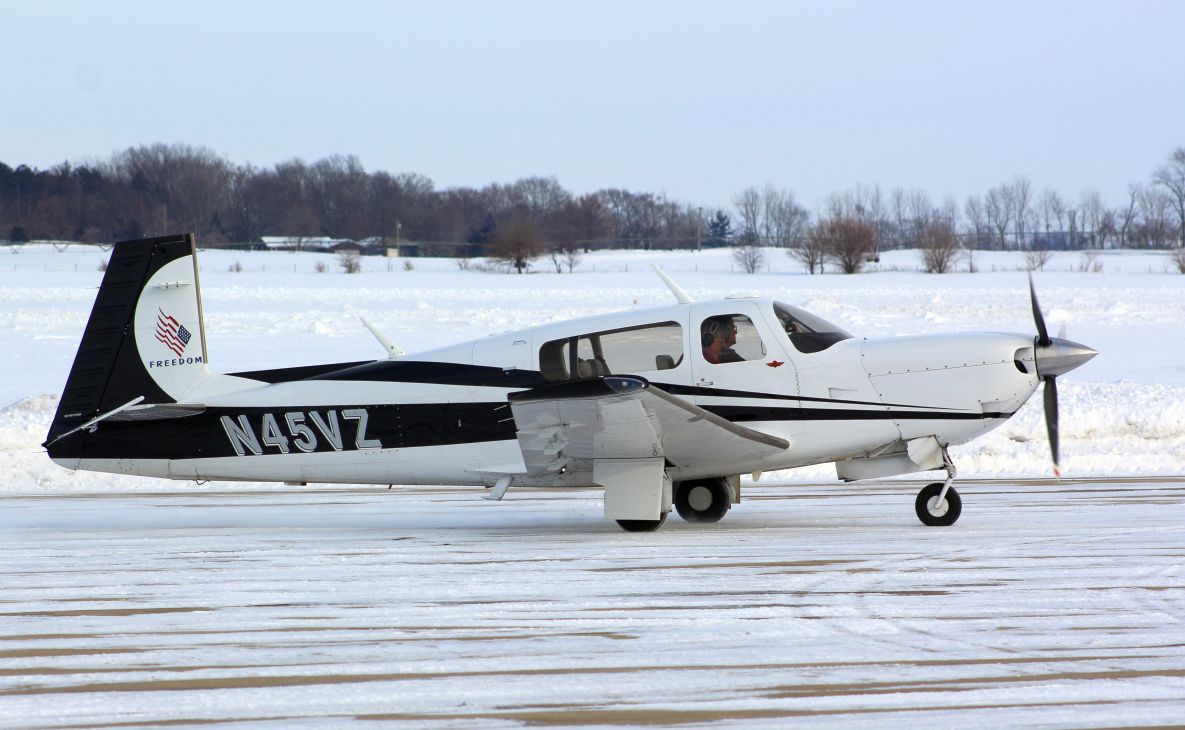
696	99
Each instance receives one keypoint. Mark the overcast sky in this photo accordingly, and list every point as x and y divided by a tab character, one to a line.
696	99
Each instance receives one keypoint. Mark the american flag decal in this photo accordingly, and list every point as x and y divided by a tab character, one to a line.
172	333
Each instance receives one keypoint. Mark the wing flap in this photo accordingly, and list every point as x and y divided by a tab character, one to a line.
567	426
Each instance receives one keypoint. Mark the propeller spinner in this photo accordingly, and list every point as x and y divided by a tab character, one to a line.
1054	356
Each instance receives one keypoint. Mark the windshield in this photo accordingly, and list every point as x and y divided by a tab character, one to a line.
808	332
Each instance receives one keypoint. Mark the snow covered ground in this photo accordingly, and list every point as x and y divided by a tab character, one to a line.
1121	414
1048	605
130	602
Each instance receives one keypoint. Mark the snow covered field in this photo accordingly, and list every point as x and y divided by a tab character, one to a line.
131	602
1121	414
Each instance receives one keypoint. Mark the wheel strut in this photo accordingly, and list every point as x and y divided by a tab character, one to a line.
951	472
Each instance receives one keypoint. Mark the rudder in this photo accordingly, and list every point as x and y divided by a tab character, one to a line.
145	335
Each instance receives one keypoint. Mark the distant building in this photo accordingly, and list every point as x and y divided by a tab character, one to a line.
322	244
347	246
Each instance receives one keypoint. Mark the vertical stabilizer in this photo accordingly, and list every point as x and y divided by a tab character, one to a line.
145	337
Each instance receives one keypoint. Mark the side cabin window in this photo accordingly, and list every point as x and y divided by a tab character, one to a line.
622	351
727	338
807	332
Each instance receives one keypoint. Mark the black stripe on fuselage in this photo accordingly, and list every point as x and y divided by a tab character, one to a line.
405	371
222	432
300	372
219	432
437	373
749	413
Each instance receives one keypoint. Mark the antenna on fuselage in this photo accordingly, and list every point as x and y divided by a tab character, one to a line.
393	350
682	296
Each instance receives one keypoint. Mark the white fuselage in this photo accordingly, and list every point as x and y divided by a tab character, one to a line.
854	399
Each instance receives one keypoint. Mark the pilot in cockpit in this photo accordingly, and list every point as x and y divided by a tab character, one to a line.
718	335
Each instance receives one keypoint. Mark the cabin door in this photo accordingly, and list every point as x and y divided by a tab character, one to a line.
740	367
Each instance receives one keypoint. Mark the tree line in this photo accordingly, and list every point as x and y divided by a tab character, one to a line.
157	189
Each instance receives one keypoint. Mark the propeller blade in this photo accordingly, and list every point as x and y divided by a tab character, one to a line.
1051	421
1042	332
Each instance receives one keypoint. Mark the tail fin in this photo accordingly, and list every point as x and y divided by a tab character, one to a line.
145	337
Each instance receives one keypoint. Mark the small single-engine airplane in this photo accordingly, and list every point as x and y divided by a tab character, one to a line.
660	407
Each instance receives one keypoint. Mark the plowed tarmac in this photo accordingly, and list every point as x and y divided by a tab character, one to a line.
1049	604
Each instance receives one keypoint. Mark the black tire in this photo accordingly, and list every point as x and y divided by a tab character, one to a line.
954	506
702	500
642	525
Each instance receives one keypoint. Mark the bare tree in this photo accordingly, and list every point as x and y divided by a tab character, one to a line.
784	219
349	261
1037	254
1020	194
1156	229
921	210
977	223
543	196
185	186
1126	215
337	187
749	257
897	208
950	211
810	250
1093	209
583	222
911	210
517	242
1074	218
1053	211
572	256
998	206
1090	263
1171	176
846	241
556	260
748	204
865	204
565	255
939	245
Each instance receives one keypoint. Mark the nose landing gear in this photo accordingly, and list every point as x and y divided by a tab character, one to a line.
938	504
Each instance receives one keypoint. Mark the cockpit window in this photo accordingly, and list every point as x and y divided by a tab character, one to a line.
728	338
807	332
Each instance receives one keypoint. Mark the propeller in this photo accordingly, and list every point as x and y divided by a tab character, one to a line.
1054	356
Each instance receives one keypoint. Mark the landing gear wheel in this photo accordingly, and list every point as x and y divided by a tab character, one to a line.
934	514
702	500
643	525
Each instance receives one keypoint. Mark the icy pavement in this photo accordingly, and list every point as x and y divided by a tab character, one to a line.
1049	604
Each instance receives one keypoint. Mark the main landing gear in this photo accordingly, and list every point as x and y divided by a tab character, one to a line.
938	504
696	500
702	500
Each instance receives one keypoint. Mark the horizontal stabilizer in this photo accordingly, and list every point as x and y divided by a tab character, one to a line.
157	412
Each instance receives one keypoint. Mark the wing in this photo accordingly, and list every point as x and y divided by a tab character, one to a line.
565	427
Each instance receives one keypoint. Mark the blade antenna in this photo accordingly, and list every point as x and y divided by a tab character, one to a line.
393	351
682	296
